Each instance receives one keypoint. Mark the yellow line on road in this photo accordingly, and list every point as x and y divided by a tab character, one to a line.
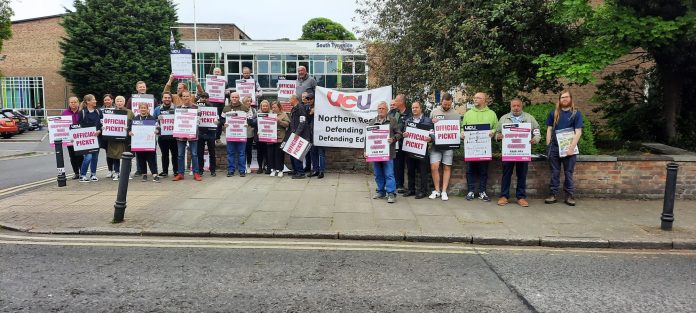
35	184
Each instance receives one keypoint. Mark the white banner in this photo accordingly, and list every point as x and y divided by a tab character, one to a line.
166	120
144	135
215	87
115	124
477	143
59	128
296	146
208	117
377	143
447	134
516	142
564	137
137	99
186	123
267	127
236	130
340	117
246	88
182	63
84	140
415	141
286	88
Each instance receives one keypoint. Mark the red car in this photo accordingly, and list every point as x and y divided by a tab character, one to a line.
8	127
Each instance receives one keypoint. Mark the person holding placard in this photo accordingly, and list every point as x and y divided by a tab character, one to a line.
418	164
236	157
167	144
90	116
443	153
218	72
516	116
262	146
564	121
146	158
107	103
246	74
251	132
73	111
206	133
400	112
384	170
298	126
183	141
177	98
141	89
479	114
276	156
116	146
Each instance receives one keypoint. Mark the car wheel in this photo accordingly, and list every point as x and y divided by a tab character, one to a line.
6	136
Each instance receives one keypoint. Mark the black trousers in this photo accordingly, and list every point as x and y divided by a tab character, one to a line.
419	166
275	157
168	148
249	148
75	160
262	155
145	159
399	164
210	143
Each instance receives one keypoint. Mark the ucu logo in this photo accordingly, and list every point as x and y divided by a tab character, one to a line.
349	102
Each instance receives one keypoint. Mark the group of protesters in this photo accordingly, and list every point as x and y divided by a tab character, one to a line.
390	176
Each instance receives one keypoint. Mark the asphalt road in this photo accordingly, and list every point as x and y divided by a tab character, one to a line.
120	274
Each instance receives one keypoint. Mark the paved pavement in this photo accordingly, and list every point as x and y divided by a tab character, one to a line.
339	206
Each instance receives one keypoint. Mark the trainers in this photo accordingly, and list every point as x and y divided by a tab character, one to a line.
523	202
83	179
178	177
230	174
116	176
378	196
391	198
273	173
551	199
502	201
137	173
163	174
483	196
213	174
156	179
570	201
400	190
144	178
197	177
280	173
109	174
434	195
76	176
470	196
190	173
242	174
94	178
444	196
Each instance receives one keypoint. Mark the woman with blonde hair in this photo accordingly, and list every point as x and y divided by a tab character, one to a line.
90	116
73	111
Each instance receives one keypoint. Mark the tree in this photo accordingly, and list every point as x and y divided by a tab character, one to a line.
5	21
112	44
321	28
664	30
483	45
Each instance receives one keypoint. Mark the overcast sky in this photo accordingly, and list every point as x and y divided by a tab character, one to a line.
260	19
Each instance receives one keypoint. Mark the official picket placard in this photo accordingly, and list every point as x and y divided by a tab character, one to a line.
415	141
286	88
84	139
166	120
115	124
477	143
208	117
516	142
236	130
447	134
267	127
182	63
144	137
296	146
246	88
340	117
564	137
215	87
377	143
59	129
137	99
186	123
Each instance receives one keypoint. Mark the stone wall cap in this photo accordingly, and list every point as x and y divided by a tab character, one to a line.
683	158
650	157
596	158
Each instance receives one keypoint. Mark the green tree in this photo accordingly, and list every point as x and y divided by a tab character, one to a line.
112	44
321	28
5	21
665	31
482	45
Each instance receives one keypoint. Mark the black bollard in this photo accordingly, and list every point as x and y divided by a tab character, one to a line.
670	191
120	206
60	164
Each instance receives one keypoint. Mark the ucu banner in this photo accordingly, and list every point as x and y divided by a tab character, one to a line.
340	117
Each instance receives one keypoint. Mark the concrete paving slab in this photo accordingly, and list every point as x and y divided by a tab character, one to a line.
267	220
309	223
353	222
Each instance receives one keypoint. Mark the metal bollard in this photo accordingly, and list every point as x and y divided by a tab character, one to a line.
60	164
120	205
670	191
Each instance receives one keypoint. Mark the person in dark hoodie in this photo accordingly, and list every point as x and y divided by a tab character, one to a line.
298	126
420	165
206	137
90	116
73	111
167	143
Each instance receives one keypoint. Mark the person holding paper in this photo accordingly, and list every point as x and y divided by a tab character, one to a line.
177	98
146	158
167	143
107	103
418	119
400	112
262	147
116	147
479	114
236	157
298	126
192	143
564	118
516	116
276	156
90	116
442	155
73	111
218	72
246	74
206	137
251	132
384	171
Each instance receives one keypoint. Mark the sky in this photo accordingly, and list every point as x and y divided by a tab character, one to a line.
260	19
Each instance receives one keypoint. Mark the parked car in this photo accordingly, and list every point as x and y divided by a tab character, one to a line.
8	128
22	123
32	122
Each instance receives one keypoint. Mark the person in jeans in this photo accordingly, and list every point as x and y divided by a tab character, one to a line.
516	115
236	151
384	171
479	114
73	111
90	116
146	158
564	117
187	100
276	156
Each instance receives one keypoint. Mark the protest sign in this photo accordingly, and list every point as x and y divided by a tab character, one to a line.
186	123
296	146
215	87
340	117
415	141
236	130
166	120
246	88
564	137
267	127
477	143
59	129
447	134
84	139
115	124
377	143
144	137
516	142
286	88
182	63
208	117
137	99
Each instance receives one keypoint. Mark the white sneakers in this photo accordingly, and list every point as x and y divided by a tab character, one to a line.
116	176
444	196
94	178
280	173
109	174
273	173
436	194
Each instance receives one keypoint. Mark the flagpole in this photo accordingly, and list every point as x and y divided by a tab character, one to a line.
195	40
